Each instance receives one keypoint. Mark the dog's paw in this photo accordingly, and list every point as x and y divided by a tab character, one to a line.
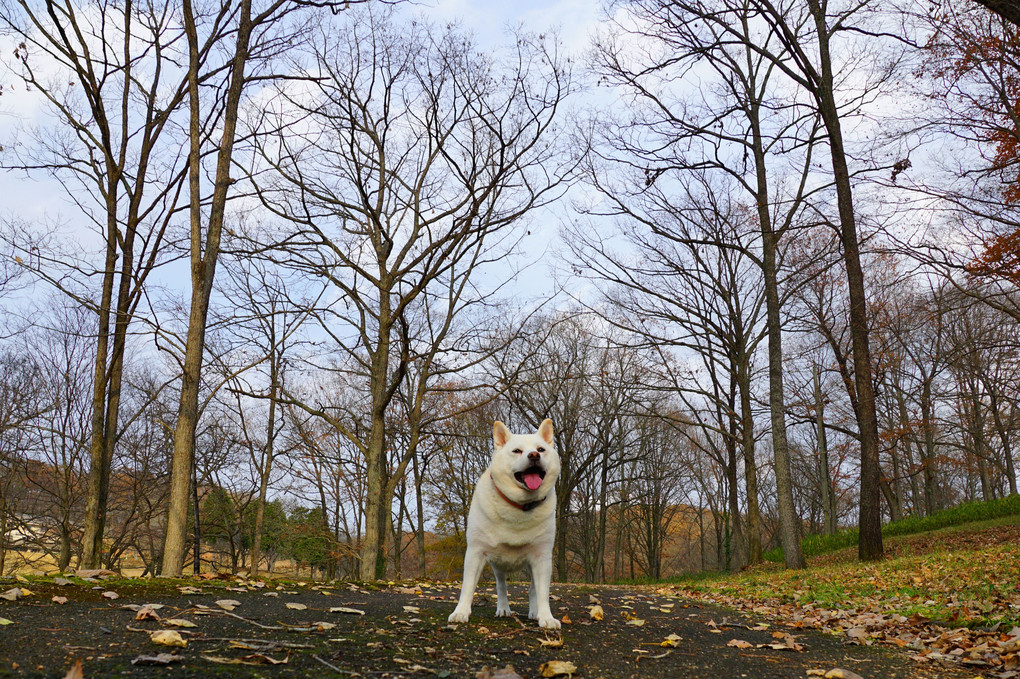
459	616
548	622
504	612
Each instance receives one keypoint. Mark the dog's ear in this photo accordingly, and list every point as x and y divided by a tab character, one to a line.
500	434
545	430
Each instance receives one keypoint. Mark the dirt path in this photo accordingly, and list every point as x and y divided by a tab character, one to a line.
290	631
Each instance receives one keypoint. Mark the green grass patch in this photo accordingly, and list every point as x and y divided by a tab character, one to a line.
968	512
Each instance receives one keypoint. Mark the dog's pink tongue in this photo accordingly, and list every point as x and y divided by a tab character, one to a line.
532	481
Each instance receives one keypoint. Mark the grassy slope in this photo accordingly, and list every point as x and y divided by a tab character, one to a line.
966	575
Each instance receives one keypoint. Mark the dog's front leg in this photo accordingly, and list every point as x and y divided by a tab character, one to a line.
532	595
502	601
538	595
473	565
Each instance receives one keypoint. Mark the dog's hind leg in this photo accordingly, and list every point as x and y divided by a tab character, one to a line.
502	601
473	565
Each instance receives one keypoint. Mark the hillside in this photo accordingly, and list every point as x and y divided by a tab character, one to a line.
948	595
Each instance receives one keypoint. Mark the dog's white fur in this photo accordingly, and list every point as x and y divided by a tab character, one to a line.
508	537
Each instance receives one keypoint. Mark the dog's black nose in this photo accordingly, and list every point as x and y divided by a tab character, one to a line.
534	456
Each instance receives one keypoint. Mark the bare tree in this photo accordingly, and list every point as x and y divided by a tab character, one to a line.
680	296
62	355
250	34
807	36
114	148
407	154
266	317
743	124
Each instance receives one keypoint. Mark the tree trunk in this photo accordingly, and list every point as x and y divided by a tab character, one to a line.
419	530
928	457
196	560
267	461
3	533
203	270
373	554
735	555
1008	468
789	523
869	546
824	477
754	545
98	482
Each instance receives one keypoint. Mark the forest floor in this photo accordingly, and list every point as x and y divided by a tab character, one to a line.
240	628
947	596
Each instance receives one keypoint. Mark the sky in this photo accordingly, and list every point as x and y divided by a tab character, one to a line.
39	199
573	19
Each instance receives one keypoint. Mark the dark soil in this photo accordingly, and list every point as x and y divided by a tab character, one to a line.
392	640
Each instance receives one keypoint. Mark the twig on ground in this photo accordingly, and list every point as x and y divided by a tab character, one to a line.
335	668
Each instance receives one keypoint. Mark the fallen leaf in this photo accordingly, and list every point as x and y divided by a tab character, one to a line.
739	643
858	634
168	637
566	619
179	622
59	600
225	661
842	674
5	621
76	671
555	667
252	659
12	594
596	612
412	609
507	672
63	582
228	604
296	606
672	641
158	659
146	613
551	643
111	595
344	609
323	626
636	622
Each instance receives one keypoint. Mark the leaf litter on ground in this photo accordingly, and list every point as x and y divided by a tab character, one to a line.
959	605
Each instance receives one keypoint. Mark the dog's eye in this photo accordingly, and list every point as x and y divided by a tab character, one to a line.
541	450
518	451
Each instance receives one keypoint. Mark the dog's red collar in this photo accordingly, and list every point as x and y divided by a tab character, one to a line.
526	507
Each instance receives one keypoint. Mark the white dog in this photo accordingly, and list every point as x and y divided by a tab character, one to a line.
512	522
